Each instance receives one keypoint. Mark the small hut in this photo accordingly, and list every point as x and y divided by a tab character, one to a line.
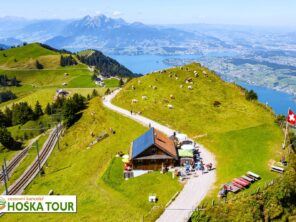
153	151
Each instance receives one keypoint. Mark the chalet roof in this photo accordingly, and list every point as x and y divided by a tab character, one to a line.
153	137
142	143
164	143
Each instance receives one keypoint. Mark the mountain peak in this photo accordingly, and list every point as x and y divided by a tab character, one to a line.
101	19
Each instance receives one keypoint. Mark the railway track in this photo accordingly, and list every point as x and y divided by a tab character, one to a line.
18	186
16	160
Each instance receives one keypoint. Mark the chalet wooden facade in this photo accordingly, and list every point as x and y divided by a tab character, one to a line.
152	151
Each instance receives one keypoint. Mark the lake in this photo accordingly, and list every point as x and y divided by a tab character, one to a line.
280	102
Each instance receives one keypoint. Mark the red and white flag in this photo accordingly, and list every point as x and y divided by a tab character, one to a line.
291	117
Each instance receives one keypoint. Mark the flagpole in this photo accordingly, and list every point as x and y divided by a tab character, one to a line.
286	131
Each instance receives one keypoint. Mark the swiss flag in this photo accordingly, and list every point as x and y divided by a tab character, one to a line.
291	117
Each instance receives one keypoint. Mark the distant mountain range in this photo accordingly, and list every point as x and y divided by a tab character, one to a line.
106	34
260	55
116	36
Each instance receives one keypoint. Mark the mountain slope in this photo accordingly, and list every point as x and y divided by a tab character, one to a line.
21	62
102	194
25	57
240	133
106	65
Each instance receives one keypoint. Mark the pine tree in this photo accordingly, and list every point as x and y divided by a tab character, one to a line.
3	120
14	82
121	83
48	109
108	91
39	65
62	61
6	139
38	110
94	93
8	115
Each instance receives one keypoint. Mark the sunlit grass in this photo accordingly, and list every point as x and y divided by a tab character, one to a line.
242	134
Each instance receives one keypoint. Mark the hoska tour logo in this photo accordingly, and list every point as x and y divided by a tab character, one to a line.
2	203
37	204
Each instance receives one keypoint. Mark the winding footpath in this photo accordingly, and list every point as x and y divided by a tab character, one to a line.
194	190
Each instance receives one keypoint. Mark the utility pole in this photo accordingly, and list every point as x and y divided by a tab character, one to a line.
5	166
57	134
38	156
58	115
4	178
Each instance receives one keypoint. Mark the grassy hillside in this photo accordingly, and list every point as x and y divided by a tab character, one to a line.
95	175
40	84
25	57
21	63
240	133
46	95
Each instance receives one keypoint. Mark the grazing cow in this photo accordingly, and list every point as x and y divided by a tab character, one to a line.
170	106
144	97
134	101
190	87
189	79
165	101
154	87
172	96
133	87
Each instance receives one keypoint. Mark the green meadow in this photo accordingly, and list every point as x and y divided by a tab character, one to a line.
95	174
241	134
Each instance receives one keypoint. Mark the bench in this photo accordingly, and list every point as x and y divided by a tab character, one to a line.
248	178
237	184
240	182
277	169
230	187
254	175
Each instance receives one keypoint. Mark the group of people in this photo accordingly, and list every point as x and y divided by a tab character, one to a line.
197	164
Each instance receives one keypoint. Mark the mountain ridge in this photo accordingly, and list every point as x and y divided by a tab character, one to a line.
25	57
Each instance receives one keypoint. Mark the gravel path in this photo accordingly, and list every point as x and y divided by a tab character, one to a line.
194	190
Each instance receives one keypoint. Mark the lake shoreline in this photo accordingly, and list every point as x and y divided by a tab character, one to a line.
278	100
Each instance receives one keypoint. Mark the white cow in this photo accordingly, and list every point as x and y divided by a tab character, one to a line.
134	101
170	106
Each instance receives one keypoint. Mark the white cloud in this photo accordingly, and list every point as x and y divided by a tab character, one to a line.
116	13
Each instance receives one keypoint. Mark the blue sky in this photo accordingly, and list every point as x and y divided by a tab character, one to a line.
244	12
